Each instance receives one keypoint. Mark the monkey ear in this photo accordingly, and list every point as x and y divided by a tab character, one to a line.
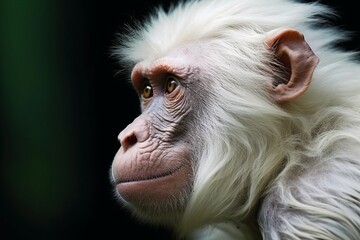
298	61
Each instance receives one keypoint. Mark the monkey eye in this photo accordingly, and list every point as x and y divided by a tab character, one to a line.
147	91
171	84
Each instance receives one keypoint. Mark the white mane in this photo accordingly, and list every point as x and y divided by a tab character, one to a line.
195	20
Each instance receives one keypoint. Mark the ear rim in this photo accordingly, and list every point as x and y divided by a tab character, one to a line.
292	51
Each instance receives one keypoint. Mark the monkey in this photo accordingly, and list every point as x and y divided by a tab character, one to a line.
249	124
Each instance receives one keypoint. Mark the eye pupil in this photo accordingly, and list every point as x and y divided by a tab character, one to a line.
147	92
171	85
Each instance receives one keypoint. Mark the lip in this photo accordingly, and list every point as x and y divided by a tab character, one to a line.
143	182
154	188
149	178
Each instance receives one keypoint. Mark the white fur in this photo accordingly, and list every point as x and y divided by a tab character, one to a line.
302	161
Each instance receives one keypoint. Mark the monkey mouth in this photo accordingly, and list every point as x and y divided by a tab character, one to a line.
147	178
152	188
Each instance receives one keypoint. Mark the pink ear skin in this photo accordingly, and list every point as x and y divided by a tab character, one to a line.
297	58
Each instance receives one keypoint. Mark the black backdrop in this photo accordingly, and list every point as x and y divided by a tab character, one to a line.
62	106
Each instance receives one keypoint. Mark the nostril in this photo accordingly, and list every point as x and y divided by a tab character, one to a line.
132	140
128	141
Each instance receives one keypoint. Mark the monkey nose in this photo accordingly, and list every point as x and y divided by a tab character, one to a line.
136	132
128	140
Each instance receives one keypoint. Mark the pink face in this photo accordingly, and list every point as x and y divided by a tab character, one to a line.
153	166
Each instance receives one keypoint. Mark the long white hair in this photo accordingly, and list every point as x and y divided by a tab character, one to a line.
250	145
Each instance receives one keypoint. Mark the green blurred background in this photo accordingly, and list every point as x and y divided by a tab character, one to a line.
61	109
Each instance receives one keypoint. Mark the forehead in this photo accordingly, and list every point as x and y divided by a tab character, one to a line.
181	61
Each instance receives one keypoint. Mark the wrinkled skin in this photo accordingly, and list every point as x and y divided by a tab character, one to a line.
153	169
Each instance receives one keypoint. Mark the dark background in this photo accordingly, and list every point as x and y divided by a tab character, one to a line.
61	109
